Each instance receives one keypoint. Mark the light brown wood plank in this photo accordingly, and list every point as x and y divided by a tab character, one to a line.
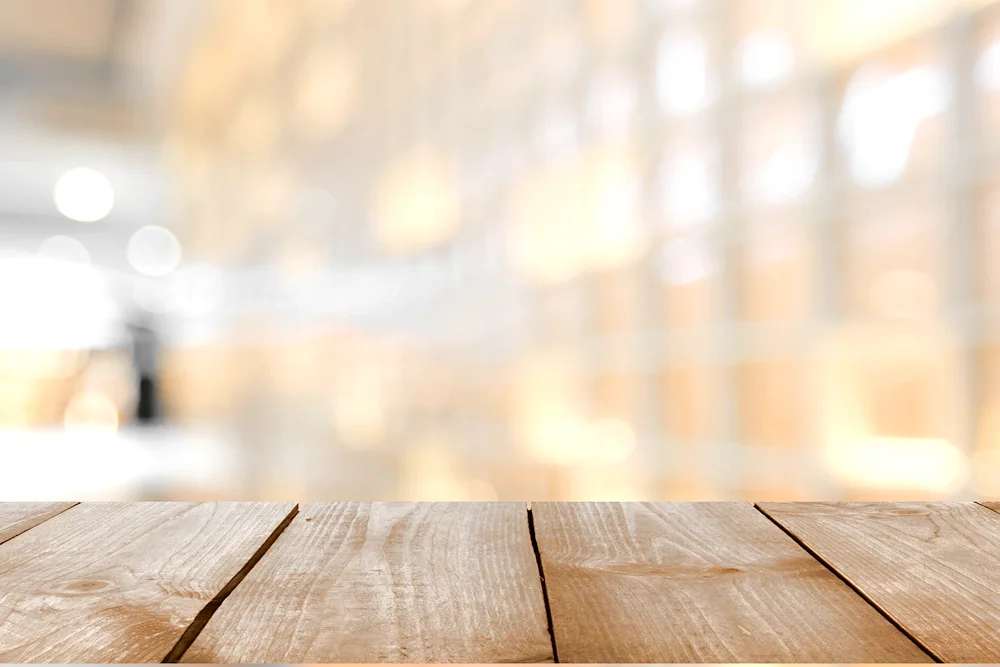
120	582
995	506
698	582
15	518
933	567
388	582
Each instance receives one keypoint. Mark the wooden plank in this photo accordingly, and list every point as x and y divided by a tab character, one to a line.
995	506
388	582
698	582
15	518
120	582
933	567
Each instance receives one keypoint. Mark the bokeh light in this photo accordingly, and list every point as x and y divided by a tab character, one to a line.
476	250
84	195
154	251
683	83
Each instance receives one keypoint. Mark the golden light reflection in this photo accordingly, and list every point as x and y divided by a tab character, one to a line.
578	217
840	31
325	89
889	396
913	464
359	409
430	472
416	203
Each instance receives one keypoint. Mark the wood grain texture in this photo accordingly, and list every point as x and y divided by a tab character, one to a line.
933	567
120	582
15	518
698	582
388	582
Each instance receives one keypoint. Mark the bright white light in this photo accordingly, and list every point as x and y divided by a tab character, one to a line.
785	175
688	190
47	304
567	441
987	72
196	291
617	231
765	58
154	251
880	118
682	73
95	464
64	249
684	262
84	195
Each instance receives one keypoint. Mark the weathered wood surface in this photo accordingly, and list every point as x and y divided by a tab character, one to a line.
120	582
392	582
698	582
933	567
387	582
15	518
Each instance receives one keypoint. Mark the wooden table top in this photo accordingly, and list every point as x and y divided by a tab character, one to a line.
500	582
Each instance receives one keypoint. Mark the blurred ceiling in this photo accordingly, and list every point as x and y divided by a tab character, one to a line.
83	83
59	29
97	67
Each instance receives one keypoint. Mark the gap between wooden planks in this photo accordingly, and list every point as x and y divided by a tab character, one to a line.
16	518
933	568
388	582
405	582
122	582
397	626
698	582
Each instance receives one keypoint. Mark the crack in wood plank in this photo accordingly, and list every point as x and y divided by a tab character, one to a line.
931	567
18	518
205	615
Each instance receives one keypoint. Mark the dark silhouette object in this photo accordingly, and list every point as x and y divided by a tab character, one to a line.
145	352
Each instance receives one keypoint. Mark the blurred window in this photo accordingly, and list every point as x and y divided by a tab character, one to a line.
687	180
779	151
772	405
776	270
689	395
685	83
986	249
892	266
891	118
688	268
986	72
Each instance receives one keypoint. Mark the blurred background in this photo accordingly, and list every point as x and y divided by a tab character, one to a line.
499	249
